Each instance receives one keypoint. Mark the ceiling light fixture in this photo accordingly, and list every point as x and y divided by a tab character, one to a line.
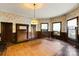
34	9
34	20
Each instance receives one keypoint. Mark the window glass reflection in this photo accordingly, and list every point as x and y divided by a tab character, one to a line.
56	28
72	25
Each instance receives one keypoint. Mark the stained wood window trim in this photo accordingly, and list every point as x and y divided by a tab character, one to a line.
41	26
76	27
60	28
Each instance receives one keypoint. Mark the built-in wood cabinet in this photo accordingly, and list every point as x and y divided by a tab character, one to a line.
21	32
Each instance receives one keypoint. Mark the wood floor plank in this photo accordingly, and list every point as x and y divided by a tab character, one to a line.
39	47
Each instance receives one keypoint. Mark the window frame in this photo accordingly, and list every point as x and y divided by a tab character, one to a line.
76	30
60	27
41	26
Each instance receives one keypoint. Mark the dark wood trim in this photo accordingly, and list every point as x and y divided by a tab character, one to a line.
17	26
60	28
7	22
39	34
44	33
7	27
76	28
35	33
47	26
0	37
17	29
73	18
60	25
33	25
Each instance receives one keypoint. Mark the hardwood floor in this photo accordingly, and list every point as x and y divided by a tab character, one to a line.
40	47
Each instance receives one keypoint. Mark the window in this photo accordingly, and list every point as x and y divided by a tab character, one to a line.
72	28
56	28
44	27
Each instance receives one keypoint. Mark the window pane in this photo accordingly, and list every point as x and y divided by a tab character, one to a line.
72	24
56	27
72	34
44	26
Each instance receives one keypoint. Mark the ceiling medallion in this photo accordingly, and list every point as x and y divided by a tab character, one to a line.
31	5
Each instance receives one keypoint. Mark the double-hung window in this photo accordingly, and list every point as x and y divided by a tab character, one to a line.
44	27
72	28
57	28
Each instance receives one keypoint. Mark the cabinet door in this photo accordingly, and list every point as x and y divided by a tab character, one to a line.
22	32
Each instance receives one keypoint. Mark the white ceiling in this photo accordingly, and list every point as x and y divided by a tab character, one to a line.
48	10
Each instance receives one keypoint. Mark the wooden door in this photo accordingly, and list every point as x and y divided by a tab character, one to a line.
6	32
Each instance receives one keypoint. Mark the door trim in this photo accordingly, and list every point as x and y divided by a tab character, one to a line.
2	27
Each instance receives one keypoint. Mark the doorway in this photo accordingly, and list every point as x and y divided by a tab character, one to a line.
33	31
6	32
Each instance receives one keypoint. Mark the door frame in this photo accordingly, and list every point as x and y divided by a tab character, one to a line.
2	28
35	30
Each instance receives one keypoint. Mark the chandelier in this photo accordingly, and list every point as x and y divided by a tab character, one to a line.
34	20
